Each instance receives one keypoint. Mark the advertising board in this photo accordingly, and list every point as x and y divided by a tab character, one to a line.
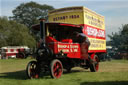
93	24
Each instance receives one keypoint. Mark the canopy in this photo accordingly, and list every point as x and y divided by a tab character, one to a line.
51	24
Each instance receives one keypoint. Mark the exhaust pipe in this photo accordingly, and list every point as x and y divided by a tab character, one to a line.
42	31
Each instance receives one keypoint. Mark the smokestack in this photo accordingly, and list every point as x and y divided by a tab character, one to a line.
42	30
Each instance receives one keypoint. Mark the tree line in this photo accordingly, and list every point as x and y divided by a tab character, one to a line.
16	31
119	39
14	34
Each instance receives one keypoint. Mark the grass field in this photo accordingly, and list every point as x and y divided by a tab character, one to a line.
12	72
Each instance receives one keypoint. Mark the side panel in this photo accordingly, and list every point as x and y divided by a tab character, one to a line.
72	15
72	50
94	28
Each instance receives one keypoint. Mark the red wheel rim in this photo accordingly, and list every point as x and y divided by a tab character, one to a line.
96	64
57	69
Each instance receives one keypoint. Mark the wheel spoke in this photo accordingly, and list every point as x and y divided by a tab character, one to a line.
55	73
57	66
54	68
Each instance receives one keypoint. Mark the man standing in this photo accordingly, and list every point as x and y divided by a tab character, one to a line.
84	44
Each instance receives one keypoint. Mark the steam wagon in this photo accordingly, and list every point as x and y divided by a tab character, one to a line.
68	40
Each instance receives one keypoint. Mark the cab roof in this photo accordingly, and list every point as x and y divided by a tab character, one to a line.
53	24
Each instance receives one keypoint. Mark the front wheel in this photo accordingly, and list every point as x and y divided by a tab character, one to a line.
31	70
94	64
56	68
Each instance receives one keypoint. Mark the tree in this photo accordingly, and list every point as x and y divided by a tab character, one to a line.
29	13
120	39
3	33
14	34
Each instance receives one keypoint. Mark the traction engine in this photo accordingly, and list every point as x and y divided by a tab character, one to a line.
61	47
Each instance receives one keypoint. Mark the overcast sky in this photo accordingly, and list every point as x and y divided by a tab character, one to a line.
115	11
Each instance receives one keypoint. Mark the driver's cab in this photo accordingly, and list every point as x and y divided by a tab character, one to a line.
60	32
62	37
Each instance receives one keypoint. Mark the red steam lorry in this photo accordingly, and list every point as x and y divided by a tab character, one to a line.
64	45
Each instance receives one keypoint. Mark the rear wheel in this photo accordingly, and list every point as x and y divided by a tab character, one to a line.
56	68
31	70
94	64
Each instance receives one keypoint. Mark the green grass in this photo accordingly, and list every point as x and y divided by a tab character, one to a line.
12	72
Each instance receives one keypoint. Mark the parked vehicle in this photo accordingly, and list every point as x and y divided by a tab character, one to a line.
14	52
108	55
64	45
